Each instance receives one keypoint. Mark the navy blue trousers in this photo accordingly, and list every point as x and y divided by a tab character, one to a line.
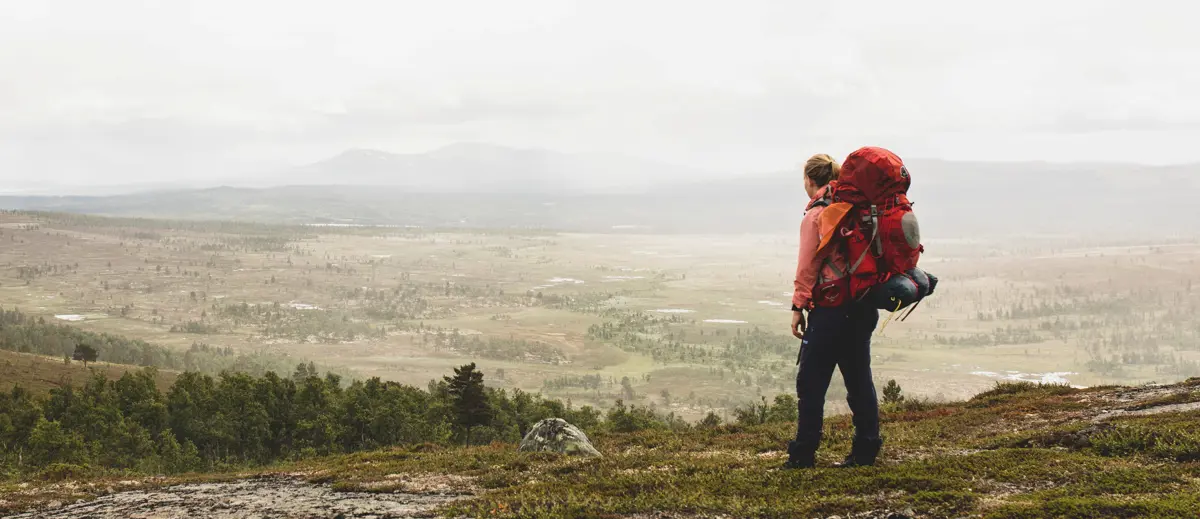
838	337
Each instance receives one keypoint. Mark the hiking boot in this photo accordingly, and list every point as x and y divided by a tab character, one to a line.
800	456
863	453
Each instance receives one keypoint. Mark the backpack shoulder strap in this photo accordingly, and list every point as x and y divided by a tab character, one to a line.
824	201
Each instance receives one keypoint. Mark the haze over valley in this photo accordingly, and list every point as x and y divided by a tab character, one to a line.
416	264
488	186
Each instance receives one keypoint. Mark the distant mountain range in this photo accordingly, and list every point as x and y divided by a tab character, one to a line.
474	185
485	168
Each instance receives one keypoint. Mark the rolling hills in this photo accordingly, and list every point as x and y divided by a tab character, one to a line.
39	374
489	186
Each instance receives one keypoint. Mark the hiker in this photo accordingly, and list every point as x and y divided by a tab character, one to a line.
836	332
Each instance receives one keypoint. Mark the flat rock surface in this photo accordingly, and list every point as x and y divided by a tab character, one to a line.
247	499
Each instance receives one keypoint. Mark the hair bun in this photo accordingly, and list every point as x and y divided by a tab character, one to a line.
822	169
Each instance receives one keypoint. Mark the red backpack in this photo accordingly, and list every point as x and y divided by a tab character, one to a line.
869	214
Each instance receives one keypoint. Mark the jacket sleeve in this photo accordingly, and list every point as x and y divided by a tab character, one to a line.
808	264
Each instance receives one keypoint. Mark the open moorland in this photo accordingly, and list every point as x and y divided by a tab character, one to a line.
684	323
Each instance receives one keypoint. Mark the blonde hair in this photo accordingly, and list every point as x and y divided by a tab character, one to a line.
822	169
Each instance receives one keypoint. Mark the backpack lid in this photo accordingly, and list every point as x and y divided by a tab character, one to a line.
872	175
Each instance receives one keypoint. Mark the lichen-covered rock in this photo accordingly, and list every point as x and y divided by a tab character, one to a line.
556	435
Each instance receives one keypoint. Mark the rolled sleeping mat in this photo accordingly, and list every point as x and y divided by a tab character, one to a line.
902	290
923	281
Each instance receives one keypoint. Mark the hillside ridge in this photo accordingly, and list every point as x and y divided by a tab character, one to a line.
1021	450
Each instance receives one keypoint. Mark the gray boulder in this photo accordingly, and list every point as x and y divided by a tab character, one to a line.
556	435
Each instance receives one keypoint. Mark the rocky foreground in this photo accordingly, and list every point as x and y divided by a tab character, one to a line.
1018	451
259	498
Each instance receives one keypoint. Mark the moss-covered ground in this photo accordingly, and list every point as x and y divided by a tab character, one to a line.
1018	451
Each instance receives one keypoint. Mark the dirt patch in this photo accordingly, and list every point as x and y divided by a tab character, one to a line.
248	499
1140	401
425	484
1109	414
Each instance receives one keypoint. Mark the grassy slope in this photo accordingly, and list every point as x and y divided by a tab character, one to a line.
40	374
1014	452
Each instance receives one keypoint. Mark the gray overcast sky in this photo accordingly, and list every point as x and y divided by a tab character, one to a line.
116	90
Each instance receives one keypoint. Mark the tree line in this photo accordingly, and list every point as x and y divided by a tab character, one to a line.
23	333
235	419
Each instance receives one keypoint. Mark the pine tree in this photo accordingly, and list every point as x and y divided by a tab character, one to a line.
50	443
627	389
85	354
471	407
891	393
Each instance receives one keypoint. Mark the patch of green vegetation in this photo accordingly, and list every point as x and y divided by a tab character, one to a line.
1176	442
1168	436
1176	506
1073	436
910	408
1005	390
63	472
1129	480
196	327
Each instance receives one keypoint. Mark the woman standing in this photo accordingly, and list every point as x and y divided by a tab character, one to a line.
831	336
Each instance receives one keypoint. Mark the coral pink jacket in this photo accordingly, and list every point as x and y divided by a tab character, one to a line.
810	265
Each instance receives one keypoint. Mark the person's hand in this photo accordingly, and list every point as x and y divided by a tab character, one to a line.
798	324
